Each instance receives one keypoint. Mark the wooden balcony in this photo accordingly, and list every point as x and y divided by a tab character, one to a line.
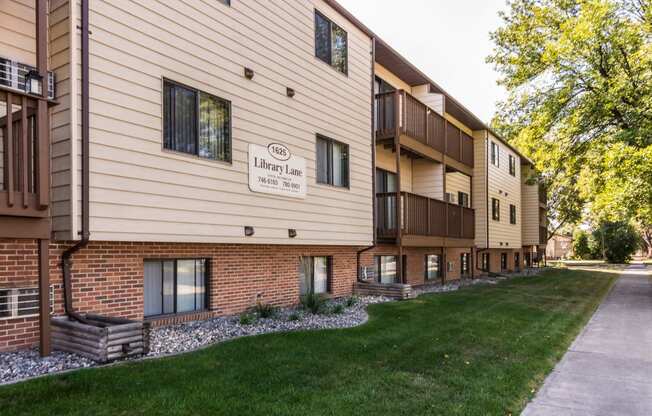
419	122
425	221
24	167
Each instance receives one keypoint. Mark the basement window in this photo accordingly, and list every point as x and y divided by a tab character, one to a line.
175	286
21	302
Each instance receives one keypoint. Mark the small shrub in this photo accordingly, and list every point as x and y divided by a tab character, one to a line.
351	301
313	302
247	318
337	309
265	310
294	316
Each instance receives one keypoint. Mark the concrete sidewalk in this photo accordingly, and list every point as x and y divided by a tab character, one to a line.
608	369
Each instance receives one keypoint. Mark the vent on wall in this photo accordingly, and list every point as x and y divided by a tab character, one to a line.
13	74
21	302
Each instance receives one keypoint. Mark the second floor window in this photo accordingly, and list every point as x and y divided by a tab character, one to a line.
512	214
330	43
463	199
512	165
196	123
495	209
495	154
332	162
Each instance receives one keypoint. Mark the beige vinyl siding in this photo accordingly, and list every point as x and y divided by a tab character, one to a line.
479	180
389	77
458	182
60	118
428	178
139	192
434	101
507	189
386	159
530	209
18	31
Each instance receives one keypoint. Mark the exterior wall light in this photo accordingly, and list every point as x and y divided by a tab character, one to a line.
290	92
292	233
248	73
34	83
249	230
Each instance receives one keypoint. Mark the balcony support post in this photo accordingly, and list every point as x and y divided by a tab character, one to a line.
399	205
43	130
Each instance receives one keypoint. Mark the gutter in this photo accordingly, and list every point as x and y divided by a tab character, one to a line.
66	257
373	159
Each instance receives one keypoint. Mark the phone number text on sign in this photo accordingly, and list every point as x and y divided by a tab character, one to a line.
273	170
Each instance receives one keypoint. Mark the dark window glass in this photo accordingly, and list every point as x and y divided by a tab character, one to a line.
331	43
175	286
433	266
332	162
512	214
495	154
512	165
503	261
465	264
485	262
463	199
315	275
387	269
196	123
517	261
495	209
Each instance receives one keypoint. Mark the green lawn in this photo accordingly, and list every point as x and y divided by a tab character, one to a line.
479	351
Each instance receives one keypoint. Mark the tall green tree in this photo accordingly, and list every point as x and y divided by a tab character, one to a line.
579	77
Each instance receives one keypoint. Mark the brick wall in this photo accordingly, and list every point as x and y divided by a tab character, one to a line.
415	257
108	277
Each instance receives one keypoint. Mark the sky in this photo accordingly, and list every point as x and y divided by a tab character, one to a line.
447	40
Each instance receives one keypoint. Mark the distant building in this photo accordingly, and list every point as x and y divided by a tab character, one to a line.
559	247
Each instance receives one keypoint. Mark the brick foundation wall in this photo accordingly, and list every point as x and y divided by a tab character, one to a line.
494	260
416	263
108	277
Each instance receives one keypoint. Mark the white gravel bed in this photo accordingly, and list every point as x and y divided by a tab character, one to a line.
23	364
190	336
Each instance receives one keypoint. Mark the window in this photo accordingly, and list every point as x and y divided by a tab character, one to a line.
495	209
330	43
465	264
517	261
433	266
484	265
196	123
315	275
512	165
463	199
449	197
21	302
512	214
386	269
332	162
495	154
381	86
503	261
175	286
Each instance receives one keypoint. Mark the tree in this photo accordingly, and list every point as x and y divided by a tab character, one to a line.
579	77
581	248
621	240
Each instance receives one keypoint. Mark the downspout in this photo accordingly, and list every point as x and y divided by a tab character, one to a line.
486	183
66	257
373	160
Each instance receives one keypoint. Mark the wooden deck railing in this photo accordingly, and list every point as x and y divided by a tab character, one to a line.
423	216
23	158
417	120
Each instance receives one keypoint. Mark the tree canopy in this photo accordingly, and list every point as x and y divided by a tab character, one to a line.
579	78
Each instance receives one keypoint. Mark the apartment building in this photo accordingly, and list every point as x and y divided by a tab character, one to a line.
205	156
174	161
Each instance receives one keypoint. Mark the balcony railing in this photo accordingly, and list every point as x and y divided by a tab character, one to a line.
423	216
24	177
417	120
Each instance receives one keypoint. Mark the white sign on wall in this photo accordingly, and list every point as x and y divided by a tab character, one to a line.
273	170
